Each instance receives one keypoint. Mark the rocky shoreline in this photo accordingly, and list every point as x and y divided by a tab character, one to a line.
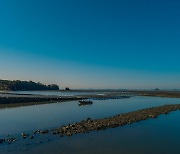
88	125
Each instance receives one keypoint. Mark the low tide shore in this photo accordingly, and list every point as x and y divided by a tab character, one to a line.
15	100
169	94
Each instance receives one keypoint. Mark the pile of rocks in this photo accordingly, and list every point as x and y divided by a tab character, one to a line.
10	140
118	120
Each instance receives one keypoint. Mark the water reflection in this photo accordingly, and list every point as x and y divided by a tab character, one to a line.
17	120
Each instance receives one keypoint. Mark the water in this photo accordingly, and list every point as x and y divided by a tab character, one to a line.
161	131
154	136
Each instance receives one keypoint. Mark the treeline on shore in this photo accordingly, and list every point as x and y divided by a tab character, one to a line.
25	85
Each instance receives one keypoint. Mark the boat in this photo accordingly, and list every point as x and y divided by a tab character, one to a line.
85	102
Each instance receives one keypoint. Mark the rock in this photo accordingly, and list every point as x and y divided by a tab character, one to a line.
88	119
11	140
55	132
37	132
68	133
44	131
152	116
24	135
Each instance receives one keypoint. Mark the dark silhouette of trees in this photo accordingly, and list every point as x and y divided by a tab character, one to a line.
25	85
67	89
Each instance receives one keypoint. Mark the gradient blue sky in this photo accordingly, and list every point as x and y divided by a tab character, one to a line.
91	43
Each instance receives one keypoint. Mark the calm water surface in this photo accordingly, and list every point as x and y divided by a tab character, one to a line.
142	137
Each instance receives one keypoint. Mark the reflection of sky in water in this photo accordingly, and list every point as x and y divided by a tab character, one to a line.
17	120
159	135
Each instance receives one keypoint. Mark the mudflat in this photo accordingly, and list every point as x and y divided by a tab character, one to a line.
170	94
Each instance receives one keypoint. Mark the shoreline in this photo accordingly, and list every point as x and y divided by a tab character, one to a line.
8	100
24	101
167	94
15	105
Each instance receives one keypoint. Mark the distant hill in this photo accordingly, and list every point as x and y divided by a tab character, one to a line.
25	85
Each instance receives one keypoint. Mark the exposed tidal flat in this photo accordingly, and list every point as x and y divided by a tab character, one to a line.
27	119
15	99
170	94
25	98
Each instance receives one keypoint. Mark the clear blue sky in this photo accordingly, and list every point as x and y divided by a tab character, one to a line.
91	43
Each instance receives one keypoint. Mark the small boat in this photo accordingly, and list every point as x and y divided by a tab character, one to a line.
85	102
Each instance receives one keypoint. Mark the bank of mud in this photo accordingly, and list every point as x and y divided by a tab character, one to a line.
13	100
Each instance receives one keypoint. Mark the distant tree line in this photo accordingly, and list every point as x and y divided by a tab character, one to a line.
25	85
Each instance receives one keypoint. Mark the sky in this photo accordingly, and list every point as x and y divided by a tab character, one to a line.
133	44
